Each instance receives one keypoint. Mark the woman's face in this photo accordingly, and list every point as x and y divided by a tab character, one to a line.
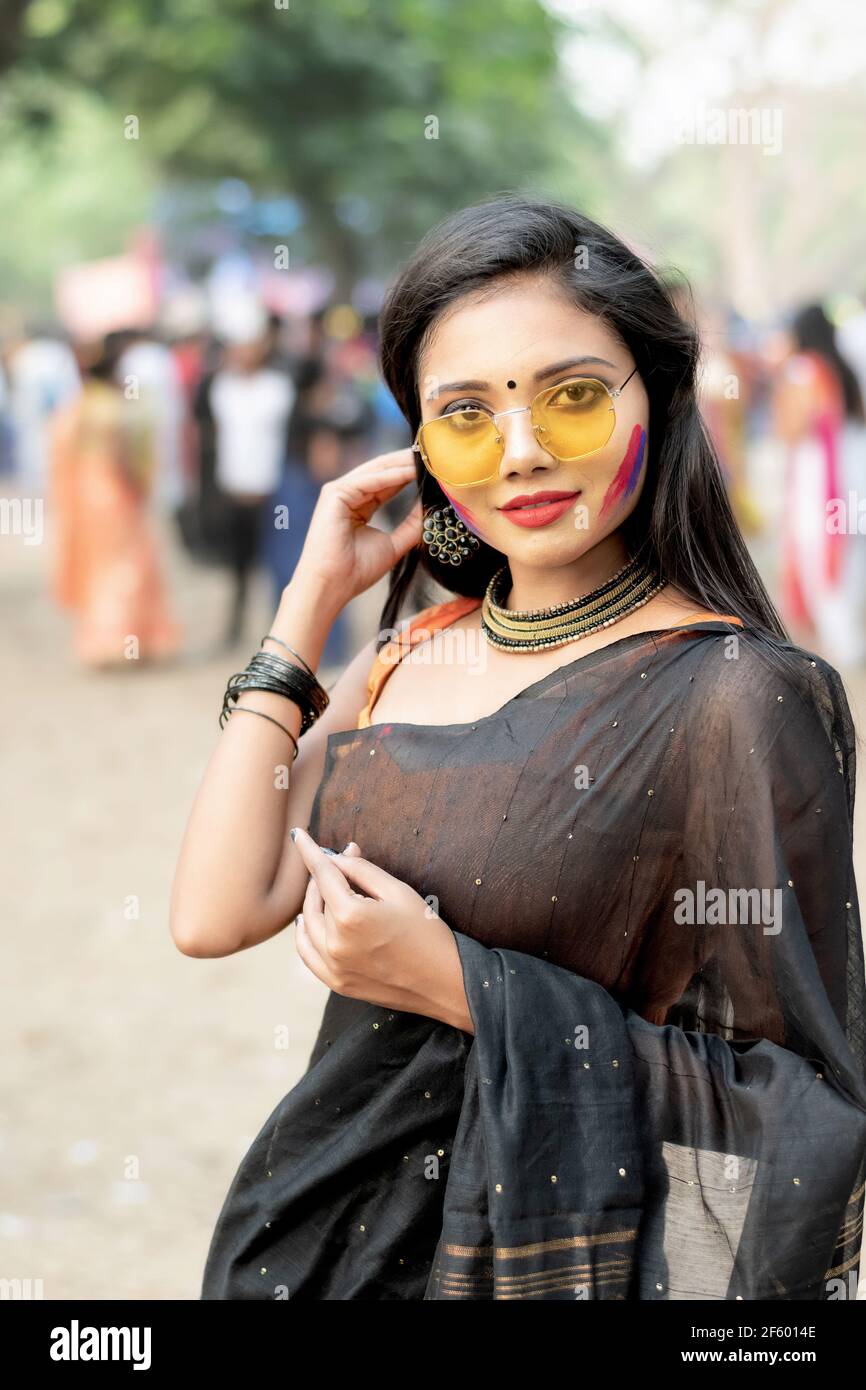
496	354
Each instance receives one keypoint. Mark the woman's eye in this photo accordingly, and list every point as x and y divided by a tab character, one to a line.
583	394
470	408
466	419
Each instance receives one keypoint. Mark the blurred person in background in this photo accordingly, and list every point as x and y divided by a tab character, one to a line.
720	392
331	422
725	396
204	525
851	338
147	371
42	375
818	414
278	355
388	430
250	402
106	565
184	322
339	414
294	499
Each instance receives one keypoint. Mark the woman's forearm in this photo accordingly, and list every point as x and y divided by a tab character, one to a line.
237	830
238	880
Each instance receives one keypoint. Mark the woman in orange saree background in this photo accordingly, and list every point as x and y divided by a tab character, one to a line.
107	567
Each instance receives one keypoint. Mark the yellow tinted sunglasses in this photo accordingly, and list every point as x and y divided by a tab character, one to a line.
570	420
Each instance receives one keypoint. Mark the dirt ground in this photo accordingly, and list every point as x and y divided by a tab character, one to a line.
134	1078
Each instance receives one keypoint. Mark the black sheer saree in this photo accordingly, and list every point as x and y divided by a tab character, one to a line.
646	861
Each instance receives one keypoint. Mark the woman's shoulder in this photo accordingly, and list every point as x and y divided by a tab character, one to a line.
739	661
425	622
408	633
747	682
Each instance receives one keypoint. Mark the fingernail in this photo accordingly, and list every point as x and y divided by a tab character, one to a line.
329	851
347	847
293	832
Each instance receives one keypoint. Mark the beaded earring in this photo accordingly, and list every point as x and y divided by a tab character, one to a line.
446	537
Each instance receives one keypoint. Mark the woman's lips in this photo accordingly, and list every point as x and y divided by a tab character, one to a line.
541	513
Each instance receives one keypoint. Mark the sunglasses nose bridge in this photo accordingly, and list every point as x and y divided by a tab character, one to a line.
517	410
497	416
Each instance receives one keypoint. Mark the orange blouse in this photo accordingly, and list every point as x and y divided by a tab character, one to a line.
440	615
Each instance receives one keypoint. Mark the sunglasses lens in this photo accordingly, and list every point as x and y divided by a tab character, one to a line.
461	447
570	420
575	418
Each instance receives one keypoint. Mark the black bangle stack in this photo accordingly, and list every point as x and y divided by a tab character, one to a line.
267	671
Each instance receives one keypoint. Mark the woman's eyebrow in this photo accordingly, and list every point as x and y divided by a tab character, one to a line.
573	362
477	385
457	386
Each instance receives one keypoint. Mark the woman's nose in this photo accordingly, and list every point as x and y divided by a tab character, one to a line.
521	447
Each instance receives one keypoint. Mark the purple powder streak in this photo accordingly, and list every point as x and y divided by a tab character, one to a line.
629	471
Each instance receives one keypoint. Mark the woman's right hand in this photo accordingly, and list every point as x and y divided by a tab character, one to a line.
342	553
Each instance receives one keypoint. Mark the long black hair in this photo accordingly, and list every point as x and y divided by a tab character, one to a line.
813	332
683	520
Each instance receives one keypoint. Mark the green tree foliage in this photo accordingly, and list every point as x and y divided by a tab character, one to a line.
413	107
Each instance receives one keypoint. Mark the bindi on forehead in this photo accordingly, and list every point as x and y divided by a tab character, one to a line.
511	385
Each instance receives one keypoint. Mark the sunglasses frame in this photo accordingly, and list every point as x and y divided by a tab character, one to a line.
417	447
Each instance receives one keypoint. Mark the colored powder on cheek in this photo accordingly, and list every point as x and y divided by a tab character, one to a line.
629	471
465	516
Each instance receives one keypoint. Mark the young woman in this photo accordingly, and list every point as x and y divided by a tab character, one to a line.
578	867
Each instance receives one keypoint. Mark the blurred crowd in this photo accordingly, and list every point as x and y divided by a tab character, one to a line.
230	428
785	408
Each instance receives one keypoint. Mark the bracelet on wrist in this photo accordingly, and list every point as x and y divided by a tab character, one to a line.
267	671
245	709
271	638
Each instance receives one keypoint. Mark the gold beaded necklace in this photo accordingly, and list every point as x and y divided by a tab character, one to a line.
532	630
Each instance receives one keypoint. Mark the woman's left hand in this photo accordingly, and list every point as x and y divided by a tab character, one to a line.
389	947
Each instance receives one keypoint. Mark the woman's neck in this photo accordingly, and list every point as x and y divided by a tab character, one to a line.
536	587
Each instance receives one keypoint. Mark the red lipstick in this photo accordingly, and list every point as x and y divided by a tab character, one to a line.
538	508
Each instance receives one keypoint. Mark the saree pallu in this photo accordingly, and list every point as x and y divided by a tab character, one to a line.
665	1094
649	1163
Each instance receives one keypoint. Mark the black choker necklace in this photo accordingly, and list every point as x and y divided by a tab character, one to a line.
531	630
